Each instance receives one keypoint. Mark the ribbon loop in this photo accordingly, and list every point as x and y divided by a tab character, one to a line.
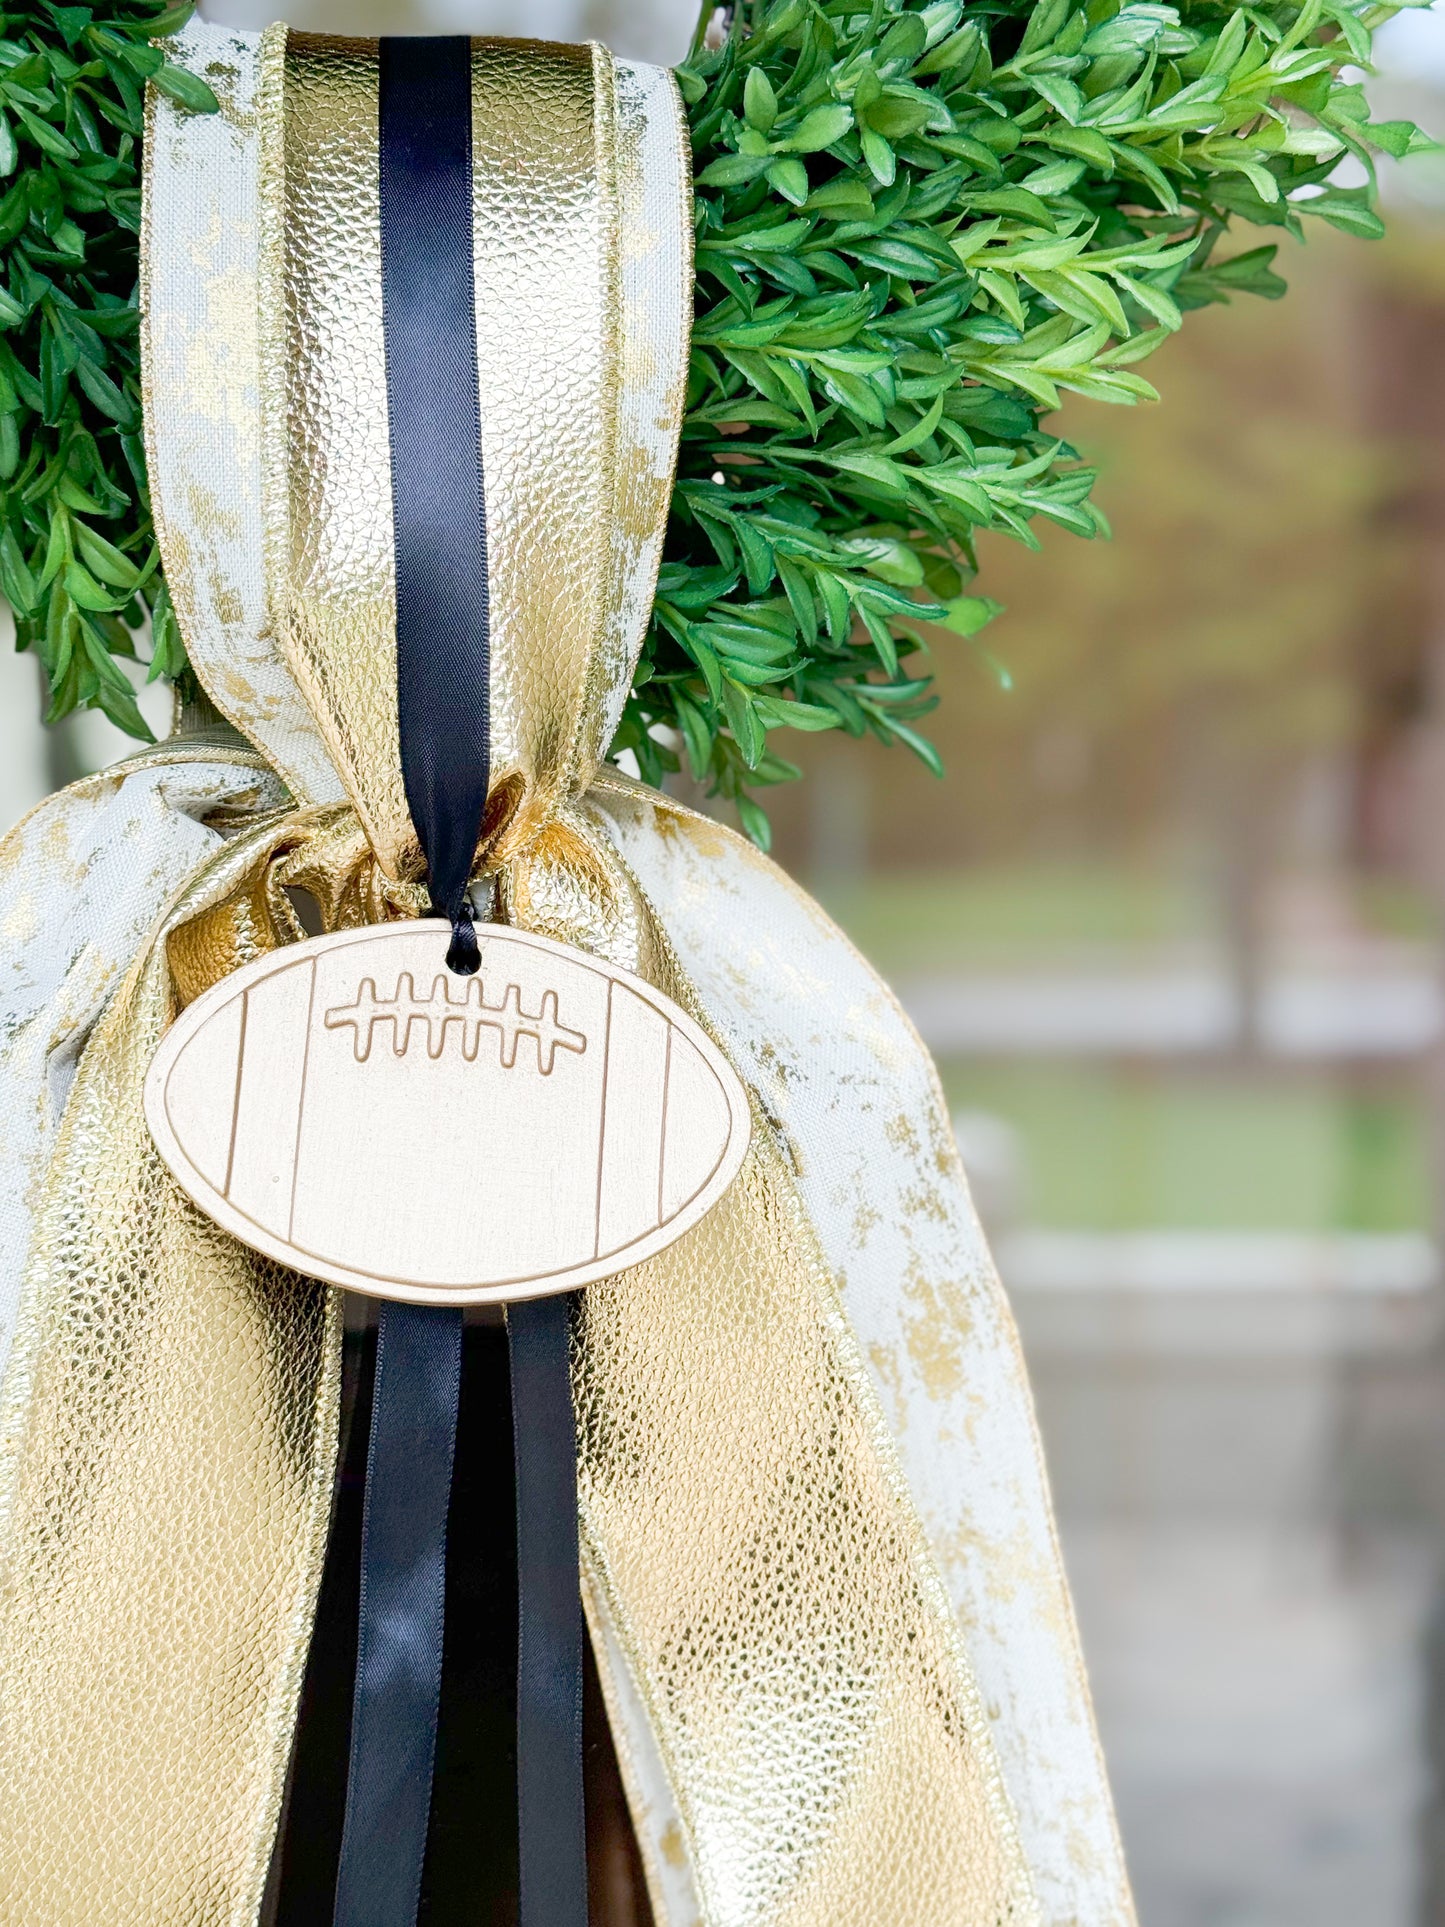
443	627
580	346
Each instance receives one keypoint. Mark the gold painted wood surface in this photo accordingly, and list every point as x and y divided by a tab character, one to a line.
354	1109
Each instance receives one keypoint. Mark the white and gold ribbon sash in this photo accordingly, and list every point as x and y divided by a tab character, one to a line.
819	1562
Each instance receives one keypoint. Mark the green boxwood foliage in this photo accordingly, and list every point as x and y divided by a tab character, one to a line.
78	562
917	227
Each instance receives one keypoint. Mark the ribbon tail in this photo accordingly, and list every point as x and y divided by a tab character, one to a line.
403	1593
549	1628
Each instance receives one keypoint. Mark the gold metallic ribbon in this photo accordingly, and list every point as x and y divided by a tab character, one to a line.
757	1578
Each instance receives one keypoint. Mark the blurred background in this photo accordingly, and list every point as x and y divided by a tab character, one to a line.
1172	926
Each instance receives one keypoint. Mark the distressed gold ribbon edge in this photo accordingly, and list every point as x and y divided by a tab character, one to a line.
617	785
17	1390
602	1599
178	575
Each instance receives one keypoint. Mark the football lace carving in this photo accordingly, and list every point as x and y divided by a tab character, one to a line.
468	1014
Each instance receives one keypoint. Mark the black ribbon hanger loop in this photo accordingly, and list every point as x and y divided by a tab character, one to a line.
438	495
442	651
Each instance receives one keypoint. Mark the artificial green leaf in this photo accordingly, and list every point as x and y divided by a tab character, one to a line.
104	560
170	21
105	393
188	89
733	170
967	614
19	585
821	127
790	177
760	103
48	139
85	591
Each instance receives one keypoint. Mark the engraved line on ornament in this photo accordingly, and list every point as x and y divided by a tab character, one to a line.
236	1094
301	1095
697	1189
602	1132
662	1141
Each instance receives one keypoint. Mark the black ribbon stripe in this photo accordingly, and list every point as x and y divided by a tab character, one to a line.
549	1618
439	518
438	497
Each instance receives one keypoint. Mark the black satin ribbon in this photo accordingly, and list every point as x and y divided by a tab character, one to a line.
438	500
549	1618
439	516
403	1593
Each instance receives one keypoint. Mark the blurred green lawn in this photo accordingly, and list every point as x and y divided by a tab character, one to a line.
924	920
1109	1144
1112	1147
1041	912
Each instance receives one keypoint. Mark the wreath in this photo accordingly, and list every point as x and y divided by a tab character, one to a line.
917	227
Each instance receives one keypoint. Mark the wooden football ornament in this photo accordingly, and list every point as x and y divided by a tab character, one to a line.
351	1108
